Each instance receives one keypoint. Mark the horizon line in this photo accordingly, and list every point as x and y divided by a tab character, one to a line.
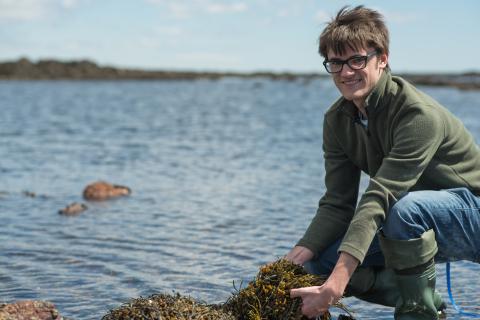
319	72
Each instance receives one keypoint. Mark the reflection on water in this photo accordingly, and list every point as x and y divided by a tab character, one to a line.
226	176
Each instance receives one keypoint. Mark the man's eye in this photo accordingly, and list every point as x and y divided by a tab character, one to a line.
336	62
356	60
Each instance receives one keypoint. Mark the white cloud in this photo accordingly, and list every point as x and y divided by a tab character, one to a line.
283	13
69	4
179	10
185	9
322	16
396	16
291	9
172	31
23	10
400	17
29	10
226	8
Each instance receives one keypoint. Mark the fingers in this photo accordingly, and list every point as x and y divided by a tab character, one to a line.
300	292
294	293
312	306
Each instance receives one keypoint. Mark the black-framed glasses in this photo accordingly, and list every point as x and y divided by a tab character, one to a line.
356	62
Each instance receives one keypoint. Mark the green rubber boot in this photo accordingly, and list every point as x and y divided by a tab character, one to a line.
415	275
375	285
379	285
419	300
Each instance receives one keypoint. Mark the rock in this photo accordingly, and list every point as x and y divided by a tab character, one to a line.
29	194
29	310
73	209
102	190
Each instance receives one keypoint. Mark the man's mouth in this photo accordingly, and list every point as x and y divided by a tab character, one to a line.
351	82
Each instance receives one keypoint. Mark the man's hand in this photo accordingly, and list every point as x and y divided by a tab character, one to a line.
317	300
299	255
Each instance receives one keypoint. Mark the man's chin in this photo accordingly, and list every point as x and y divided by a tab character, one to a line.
350	96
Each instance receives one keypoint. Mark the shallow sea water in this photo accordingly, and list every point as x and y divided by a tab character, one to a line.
225	174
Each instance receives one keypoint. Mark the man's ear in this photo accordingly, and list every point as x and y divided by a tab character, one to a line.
383	60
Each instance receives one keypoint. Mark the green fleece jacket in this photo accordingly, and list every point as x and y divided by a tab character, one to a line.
411	143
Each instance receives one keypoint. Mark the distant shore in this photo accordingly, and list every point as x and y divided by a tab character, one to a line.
24	69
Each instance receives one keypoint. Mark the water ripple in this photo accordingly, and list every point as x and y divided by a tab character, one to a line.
226	176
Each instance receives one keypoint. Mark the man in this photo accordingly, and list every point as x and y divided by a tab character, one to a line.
422	201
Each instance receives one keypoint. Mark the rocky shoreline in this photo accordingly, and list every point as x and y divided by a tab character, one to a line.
24	69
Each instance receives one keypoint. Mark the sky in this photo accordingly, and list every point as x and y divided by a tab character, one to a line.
231	35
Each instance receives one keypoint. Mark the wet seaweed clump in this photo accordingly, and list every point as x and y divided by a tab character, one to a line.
267	297
167	307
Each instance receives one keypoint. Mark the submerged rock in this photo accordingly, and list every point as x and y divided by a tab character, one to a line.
29	310
102	190
73	209
29	194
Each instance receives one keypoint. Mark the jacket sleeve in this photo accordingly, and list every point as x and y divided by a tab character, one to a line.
417	135
336	207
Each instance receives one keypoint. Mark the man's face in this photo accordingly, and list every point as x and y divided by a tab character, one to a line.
355	85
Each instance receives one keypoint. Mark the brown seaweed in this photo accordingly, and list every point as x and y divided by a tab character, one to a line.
167	307
266	297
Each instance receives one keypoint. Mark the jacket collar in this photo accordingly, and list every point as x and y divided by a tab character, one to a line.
376	99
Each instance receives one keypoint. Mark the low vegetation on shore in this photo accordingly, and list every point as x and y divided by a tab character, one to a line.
24	69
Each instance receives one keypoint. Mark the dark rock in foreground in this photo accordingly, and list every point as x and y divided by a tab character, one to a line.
29	310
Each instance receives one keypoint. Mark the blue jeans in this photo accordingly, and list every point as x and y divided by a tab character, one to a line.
453	214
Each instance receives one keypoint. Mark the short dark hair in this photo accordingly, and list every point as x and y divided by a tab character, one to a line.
355	28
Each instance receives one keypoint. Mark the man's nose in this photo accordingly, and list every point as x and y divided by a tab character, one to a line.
346	70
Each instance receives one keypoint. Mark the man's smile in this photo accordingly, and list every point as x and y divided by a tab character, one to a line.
351	81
